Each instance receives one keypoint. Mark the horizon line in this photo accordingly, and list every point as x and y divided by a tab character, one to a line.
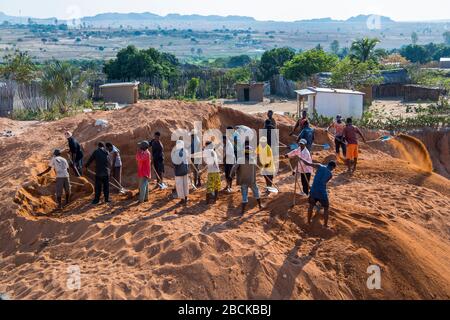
231	15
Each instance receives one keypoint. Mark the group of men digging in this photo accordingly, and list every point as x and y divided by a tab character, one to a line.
150	155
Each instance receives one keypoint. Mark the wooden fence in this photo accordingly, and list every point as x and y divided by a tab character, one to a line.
15	96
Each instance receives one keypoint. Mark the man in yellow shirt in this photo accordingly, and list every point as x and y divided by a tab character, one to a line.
265	158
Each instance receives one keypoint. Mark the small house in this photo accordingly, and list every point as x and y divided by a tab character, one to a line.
444	63
250	92
423	93
122	93
392	84
330	102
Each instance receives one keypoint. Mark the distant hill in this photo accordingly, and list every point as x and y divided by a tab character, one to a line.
362	18
122	16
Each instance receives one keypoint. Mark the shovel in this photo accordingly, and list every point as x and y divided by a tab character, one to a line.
381	139
161	185
271	189
294	146
122	190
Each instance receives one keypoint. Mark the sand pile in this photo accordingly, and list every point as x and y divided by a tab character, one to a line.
438	146
390	213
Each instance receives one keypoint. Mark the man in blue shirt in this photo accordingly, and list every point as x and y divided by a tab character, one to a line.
318	191
307	134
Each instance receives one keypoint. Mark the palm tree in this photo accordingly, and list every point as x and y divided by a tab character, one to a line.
364	49
18	67
63	84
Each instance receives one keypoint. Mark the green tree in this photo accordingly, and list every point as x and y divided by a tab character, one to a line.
334	46
241	74
307	63
19	67
414	38
446	36
415	53
364	49
192	87
352	74
63	84
272	61
132	63
239	61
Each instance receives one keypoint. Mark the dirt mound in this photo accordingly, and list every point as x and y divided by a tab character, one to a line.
438	146
390	213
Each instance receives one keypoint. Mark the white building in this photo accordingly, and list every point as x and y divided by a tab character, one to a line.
444	63
331	102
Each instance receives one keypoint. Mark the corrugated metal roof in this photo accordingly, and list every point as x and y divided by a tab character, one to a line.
399	76
314	90
305	92
120	84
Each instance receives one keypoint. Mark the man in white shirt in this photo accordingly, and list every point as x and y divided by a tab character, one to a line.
61	167
212	162
305	171
229	162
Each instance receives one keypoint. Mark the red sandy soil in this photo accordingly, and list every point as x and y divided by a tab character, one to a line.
393	212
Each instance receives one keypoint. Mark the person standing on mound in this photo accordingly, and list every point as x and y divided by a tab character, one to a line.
265	158
76	154
339	127
307	134
305	171
319	188
213	183
246	178
300	123
61	167
102	171
269	125
143	158
181	166
351	137
116	162
229	161
158	158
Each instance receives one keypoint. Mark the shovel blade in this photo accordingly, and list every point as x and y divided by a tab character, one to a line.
272	190
163	186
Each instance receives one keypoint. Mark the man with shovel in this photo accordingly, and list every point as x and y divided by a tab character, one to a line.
102	171
339	142
246	178
143	158
307	134
266	159
305	171
350	135
76	154
319	188
158	159
61	167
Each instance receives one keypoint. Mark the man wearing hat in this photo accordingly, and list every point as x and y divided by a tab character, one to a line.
143	158
305	171
76	154
265	157
339	142
61	167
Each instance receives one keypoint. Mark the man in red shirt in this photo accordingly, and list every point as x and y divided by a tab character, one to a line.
143	158
350	135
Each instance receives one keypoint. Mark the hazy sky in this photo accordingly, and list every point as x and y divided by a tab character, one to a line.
285	10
